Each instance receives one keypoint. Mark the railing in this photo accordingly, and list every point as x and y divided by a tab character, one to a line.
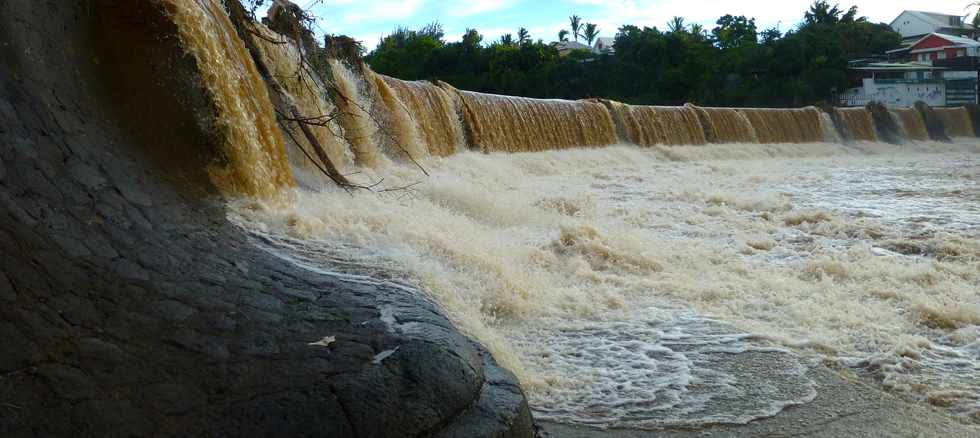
907	81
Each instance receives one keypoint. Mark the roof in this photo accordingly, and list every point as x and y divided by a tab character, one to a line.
571	45
896	67
956	41
935	19
606	41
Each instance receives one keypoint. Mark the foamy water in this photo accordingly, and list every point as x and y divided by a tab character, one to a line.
638	286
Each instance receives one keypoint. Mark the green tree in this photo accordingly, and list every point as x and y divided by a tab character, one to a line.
591	32
507	39
576	25
698	32
523	36
735	31
563	35
676	24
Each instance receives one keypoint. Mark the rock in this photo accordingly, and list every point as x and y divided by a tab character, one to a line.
69	383
7	292
143	310
171	310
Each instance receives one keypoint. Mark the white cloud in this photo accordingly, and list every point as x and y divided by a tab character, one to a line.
478	7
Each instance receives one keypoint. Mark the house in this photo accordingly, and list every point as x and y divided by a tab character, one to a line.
936	46
913	25
604	46
567	47
895	84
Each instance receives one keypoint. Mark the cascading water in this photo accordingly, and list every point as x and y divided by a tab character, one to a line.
802	125
910	120
307	91
437	115
726	125
590	272
361	130
856	124
254	150
956	120
517	124
655	125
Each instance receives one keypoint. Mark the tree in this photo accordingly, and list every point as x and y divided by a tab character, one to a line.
735	32
563	35
472	38
698	32
770	35
576	24
676	24
523	36
591	32
507	39
821	12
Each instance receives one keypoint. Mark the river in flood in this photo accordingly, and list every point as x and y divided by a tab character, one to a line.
676	286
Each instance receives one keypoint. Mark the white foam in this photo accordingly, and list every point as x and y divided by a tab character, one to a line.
787	249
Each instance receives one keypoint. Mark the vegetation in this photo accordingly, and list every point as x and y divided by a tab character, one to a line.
732	65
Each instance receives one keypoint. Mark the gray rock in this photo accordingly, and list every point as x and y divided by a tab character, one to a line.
140	310
7	292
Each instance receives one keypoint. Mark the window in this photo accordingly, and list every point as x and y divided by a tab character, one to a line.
961	52
942	54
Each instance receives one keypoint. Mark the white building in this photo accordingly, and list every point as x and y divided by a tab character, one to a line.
604	45
913	25
897	85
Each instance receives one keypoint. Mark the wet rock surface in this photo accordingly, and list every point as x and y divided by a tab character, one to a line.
130	306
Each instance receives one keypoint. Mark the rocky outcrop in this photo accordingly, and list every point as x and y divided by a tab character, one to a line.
130	306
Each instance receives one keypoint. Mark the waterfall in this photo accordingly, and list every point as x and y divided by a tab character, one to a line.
657	125
309	94
518	124
910	120
856	124
354	105
255	161
436	113
726	125
956	120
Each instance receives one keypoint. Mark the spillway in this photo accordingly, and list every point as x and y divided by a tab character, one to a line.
911	122
957	121
435	112
174	263
855	124
657	125
517	124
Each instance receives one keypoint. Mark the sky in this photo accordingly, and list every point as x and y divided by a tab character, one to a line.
369	20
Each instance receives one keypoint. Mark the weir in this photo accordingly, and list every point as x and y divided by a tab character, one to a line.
657	125
131	304
517	124
254	148
437	114
911	122
956	120
855	124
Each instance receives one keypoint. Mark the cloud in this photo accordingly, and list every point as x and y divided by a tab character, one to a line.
479	7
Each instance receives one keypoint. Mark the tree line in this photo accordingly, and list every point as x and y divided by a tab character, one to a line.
732	64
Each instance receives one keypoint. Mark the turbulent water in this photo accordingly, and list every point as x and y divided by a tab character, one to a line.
685	270
622	284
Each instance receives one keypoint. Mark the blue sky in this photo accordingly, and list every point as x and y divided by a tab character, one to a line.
369	20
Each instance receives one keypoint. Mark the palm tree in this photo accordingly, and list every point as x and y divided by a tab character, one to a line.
975	23
576	23
676	24
507	39
698	31
563	35
523	36
591	32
